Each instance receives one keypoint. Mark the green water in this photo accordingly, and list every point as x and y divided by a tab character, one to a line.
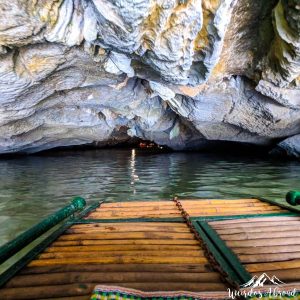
34	186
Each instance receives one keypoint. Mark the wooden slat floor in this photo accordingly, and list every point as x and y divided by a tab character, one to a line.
270	245
150	256
147	256
168	209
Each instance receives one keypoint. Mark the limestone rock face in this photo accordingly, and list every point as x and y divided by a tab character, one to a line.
290	146
182	73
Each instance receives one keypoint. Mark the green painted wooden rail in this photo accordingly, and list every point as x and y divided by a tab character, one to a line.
41	246
293	198
11	248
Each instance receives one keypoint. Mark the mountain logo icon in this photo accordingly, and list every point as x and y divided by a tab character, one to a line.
262	280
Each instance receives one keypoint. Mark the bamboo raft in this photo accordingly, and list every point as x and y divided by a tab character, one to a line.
149	246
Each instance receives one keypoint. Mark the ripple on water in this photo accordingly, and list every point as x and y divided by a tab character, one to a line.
32	187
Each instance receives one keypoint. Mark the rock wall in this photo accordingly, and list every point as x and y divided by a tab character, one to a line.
182	73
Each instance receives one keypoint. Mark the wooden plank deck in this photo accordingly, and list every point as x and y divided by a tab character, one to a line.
147	256
265	245
168	209
151	256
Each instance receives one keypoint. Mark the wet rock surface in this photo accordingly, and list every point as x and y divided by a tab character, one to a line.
183	73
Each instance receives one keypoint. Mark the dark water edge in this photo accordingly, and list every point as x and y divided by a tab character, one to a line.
36	185
210	147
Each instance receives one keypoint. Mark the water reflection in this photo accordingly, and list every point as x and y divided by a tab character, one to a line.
32	187
134	176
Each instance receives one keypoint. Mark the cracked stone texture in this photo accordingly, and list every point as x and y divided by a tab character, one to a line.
289	146
182	73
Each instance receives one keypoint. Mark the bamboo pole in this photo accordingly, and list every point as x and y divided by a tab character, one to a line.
255	228
209	209
191	268
232	213
87	297
183	201
269	266
38	292
115	277
232	204
123	253
126	235
266	249
259	235
258	220
269	257
108	248
125	215
138	209
126	229
168	203
95	215
126	242
119	260
264	241
112	225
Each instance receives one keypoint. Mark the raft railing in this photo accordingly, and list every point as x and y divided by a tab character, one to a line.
11	248
62	219
55	224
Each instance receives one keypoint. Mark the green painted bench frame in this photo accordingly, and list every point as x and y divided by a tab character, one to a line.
37	231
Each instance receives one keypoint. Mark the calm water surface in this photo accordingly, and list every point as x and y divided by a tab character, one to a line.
34	186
